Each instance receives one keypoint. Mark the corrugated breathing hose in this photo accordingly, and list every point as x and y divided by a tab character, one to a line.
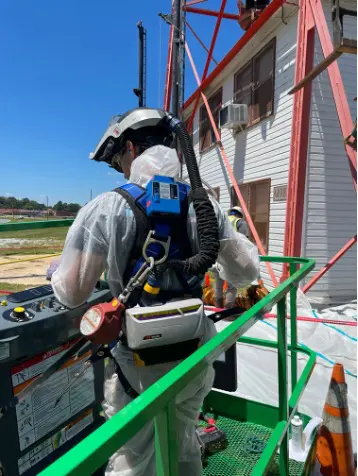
208	230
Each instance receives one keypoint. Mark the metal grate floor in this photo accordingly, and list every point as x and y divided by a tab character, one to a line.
239	457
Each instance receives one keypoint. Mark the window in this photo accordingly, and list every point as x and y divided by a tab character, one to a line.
254	84
257	199
206	133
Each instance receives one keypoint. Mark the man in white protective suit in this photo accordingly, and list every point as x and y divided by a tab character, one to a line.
101	239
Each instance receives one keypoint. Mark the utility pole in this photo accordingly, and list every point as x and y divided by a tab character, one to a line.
47	205
176	58
140	92
178	64
177	20
182	59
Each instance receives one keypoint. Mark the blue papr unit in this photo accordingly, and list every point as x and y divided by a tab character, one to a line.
162	196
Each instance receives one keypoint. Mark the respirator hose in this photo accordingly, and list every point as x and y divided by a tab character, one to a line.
208	230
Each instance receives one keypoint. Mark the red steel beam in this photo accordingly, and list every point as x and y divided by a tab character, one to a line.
330	263
211	13
168	74
299	137
195	2
231	172
208	59
199	40
335	78
254	28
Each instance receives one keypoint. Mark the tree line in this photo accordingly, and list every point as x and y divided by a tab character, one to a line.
27	204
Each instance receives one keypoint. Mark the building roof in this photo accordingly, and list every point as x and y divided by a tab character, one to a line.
259	23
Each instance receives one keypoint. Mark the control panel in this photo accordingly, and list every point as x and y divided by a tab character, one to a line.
31	319
36	331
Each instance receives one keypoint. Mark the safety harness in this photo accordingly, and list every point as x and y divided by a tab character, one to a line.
179	247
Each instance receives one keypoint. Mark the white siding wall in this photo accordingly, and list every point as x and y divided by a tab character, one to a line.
262	151
330	197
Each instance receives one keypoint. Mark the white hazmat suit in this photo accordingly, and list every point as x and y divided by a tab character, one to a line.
101	239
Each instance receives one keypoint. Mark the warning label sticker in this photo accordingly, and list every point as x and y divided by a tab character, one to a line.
37	414
32	457
165	190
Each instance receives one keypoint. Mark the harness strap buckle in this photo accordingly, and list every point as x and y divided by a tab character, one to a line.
165	245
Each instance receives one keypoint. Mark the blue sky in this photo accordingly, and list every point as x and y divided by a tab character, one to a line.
66	68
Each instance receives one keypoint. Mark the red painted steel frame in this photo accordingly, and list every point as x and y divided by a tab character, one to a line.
299	137
195	2
335	78
256	26
199	40
230	171
211	13
330	263
208	59
311	16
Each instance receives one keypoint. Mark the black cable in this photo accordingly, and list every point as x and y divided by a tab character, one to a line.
208	230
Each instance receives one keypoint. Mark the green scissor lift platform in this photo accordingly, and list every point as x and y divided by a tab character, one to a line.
257	433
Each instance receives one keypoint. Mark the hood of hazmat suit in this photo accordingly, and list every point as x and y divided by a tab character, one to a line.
101	239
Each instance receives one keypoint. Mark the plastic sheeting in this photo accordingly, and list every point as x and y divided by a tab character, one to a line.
257	366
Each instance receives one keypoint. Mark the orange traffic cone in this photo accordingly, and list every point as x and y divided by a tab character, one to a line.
333	452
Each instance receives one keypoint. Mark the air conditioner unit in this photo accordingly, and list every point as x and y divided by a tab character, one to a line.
234	116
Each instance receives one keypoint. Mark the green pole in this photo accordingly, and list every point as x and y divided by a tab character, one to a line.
166	446
282	381
293	322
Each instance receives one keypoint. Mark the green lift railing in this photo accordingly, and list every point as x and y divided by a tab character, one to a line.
33	225
158	401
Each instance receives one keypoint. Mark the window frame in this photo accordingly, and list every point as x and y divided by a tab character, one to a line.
235	201
253	88
206	121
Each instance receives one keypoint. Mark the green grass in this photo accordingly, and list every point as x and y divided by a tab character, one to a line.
58	233
30	219
14	287
30	251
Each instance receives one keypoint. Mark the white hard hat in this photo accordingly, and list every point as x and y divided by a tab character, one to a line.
236	209
134	119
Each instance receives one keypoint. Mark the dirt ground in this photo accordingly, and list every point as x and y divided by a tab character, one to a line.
29	273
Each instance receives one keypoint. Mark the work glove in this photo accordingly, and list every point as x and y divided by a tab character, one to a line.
52	268
249	296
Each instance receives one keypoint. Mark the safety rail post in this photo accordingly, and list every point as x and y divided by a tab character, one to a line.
166	445
293	323
282	380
